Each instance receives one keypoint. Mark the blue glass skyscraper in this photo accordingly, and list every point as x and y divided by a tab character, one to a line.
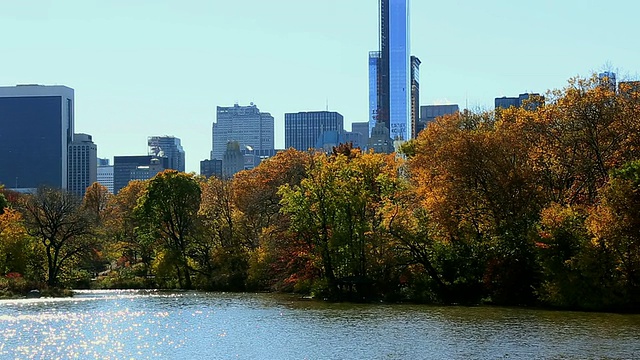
392	69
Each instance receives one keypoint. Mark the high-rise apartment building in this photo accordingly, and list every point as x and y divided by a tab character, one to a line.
303	129
390	71
105	174
83	163
245	124
36	128
169	147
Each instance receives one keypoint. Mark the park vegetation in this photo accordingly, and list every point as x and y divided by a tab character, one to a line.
538	205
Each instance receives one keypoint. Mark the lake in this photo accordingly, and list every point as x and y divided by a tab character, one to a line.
194	325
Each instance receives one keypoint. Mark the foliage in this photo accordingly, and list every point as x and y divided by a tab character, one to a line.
538	205
56	219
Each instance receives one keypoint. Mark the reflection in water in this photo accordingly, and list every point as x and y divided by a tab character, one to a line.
191	325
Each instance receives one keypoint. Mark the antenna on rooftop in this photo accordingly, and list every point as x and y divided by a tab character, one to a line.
327	103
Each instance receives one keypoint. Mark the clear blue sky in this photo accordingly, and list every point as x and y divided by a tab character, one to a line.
160	67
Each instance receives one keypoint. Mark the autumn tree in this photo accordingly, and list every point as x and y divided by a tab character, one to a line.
95	201
56	218
14	243
220	251
169	207
277	259
122	224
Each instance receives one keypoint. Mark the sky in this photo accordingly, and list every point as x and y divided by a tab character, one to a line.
141	68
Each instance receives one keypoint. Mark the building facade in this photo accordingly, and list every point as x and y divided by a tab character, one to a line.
248	126
392	68
169	147
429	113
361	128
83	164
415	95
303	129
105	174
530	100
127	168
210	168
232	160
36	128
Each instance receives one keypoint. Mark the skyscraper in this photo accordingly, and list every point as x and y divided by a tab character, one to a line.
415	95
303	129
246	125
83	164
36	128
392	69
105	174
169	147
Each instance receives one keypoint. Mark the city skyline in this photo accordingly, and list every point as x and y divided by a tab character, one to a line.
166	66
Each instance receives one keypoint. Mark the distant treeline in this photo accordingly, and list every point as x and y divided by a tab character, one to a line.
538	205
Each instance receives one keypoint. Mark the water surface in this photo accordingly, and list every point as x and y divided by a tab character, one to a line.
192	325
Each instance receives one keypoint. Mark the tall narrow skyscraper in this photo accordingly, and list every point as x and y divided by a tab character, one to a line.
391	66
415	95
83	164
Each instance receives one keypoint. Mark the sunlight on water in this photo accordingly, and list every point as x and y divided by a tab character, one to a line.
189	325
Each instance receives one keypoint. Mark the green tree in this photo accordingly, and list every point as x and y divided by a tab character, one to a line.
56	218
169	208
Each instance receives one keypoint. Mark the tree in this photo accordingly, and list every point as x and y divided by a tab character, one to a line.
169	208
14	244
55	218
122	224
95	201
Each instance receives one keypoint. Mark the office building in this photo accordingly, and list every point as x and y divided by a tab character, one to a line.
210	168
390	72
105	174
361	128
415	95
330	139
127	168
83	164
232	160
303	129
529	100
428	113
36	128
379	141
246	125
169	147
146	172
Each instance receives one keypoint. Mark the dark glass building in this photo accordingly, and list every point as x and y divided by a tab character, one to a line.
169	147
532	101
127	168
36	128
210	168
303	129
